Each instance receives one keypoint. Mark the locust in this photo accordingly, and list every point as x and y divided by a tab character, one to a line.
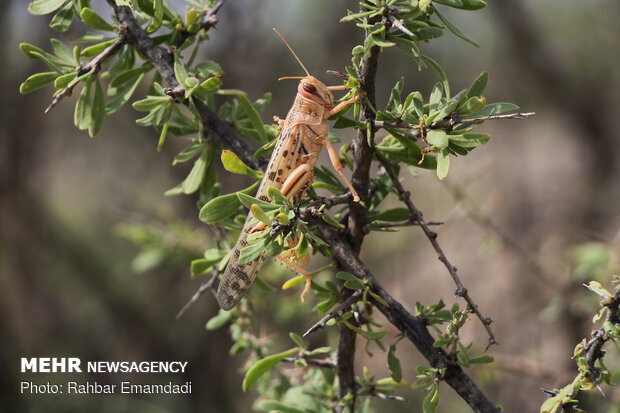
302	136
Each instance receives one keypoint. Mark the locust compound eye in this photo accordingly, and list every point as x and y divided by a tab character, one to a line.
309	88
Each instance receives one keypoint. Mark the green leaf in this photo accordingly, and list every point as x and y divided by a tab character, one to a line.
423	4
248	201
408	46
97	48
394	365
597	287
368	335
123	97
62	51
219	208
180	72
37	81
485	358
493	109
158	10
259	214
356	16
454	29
61	82
129	75
164	130
443	163
441	73
470	140
332	221
298	340
446	110
189	152
450	3
40	7
97	110
208	68
293	282
233	164
269	405
253	251
276	195
194	179
437	138
95	21
263	365
473	4
429	405
219	320
83	112
435	98
472	105
477	87
151	103
393	215
254	116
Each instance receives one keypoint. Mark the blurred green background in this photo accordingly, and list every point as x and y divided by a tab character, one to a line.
528	217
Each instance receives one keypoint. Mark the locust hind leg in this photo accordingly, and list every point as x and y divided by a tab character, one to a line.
300	270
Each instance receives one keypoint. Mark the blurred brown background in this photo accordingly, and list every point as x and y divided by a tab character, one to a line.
513	209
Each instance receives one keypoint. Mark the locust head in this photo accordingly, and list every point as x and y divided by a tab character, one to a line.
313	89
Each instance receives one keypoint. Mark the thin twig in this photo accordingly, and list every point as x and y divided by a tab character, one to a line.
398	23
409	223
450	122
204	287
334	313
94	64
461	291
517	115
207	22
312	361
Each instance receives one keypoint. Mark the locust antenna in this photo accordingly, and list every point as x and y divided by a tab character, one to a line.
291	49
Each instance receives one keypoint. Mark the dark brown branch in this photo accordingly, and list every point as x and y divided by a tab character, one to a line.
414	328
461	291
219	131
362	158
594	347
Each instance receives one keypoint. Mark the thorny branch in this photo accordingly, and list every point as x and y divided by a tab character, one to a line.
414	328
461	291
593	348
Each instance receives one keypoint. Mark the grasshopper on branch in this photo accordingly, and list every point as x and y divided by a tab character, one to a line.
302	137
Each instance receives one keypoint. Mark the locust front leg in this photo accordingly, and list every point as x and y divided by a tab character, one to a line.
333	156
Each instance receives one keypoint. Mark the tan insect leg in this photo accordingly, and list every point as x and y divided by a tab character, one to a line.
333	156
300	270
343	105
339	87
